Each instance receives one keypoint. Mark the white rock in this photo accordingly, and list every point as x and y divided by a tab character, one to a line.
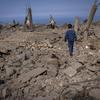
86	47
91	53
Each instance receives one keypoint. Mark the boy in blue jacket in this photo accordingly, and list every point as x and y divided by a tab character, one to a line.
70	35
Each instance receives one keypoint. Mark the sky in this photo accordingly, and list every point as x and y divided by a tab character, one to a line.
44	8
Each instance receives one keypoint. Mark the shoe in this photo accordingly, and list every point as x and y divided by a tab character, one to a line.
71	55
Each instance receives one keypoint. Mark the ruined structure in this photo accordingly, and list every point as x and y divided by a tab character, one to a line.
90	18
91	14
37	66
76	24
28	24
52	23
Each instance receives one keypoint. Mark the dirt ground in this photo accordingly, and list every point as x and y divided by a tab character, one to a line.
37	66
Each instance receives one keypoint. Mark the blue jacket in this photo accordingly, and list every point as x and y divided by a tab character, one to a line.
70	35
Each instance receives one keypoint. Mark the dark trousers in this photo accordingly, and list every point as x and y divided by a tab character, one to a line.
70	46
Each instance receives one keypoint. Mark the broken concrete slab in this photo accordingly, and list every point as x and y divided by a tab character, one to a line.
17	64
28	55
82	58
52	66
52	61
1	64
9	71
26	62
6	92
98	35
20	57
4	51
44	98
76	65
95	93
70	71
26	90
52	70
31	74
94	68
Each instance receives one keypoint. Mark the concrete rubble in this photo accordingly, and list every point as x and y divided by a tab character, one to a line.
37	66
70	71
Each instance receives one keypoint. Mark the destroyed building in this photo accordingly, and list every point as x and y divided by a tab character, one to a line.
52	23
28	24
36	65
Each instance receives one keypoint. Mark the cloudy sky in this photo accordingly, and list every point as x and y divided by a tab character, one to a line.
43	8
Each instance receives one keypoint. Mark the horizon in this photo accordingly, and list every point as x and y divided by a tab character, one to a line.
44	20
16	9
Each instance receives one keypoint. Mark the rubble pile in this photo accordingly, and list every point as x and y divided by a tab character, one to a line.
37	66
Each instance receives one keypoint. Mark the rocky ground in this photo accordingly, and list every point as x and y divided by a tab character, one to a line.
37	66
